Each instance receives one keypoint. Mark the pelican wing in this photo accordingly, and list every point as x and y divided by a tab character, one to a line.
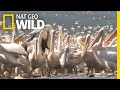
108	55
114	49
13	48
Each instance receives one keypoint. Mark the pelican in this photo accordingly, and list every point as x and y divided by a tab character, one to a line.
32	54
22	41
25	65
22	59
89	60
32	35
45	43
70	60
103	58
52	58
108	54
13	48
10	52
37	57
60	39
102	41
37	53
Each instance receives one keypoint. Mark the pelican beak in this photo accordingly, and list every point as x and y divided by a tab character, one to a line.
87	40
85	46
110	37
67	40
99	35
82	42
52	34
35	48
61	33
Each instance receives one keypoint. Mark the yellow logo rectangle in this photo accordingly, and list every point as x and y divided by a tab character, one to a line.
118	45
4	21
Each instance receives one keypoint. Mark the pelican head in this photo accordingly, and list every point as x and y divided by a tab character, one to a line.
35	47
64	56
87	41
110	37
67	39
61	33
100	34
80	40
52	33
44	37
47	27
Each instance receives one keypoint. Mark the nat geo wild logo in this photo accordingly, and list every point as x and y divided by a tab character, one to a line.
22	21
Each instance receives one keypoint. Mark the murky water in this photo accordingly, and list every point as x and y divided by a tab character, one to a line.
72	76
85	19
68	18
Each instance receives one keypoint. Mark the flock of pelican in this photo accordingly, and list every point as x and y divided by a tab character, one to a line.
48	53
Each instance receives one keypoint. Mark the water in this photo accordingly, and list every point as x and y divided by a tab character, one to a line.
68	18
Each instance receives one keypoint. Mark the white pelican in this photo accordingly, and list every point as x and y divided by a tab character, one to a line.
10	52
13	48
37	56
70	60
52	59
103	56
25	65
60	39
